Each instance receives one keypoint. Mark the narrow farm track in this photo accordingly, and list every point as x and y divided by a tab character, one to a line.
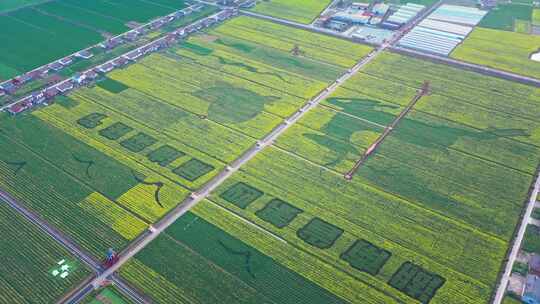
435	58
196	197
140	27
425	90
520	234
63	240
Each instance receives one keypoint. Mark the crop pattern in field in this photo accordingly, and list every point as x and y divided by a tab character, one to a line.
100	166
29	258
61	27
303	11
447	165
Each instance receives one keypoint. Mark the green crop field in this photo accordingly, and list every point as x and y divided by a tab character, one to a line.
112	158
205	257
504	16
62	27
107	295
504	40
502	50
29	258
303	11
428	217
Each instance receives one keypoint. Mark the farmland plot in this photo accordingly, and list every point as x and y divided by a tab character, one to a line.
65	181
206	256
362	212
312	46
296	10
502	50
62	27
28	256
450	171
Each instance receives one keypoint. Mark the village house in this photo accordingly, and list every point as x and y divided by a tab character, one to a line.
8	87
66	61
17	108
79	78
19	80
38	97
65	87
112	43
223	16
105	68
43	71
531	293
35	74
208	22
120	61
133	55
56	66
91	75
156	24
51	93
132	35
84	54
181	33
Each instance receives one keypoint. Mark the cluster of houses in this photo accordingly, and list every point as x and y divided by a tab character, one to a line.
88	76
48	94
11	86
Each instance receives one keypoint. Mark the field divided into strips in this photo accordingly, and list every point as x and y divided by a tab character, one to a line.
106	161
69	184
428	216
107	295
499	49
62	27
303	11
207	257
231	81
28	259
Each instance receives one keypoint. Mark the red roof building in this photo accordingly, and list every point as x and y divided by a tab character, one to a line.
17	108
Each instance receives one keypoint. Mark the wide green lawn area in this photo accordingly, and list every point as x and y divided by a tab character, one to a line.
504	16
29	258
62	27
440	197
211	266
499	49
303	11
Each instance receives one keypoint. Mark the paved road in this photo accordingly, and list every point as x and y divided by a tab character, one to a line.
440	59
470	66
215	182
88	49
505	277
70	246
200	195
164	38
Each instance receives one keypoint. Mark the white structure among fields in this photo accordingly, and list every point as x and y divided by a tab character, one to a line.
442	31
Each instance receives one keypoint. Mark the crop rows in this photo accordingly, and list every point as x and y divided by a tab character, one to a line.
62	27
501	50
209	256
27	256
296	10
464	212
